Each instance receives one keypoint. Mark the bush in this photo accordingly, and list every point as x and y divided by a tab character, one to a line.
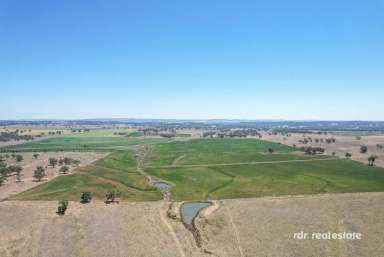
111	196
86	197
63	205
64	169
52	162
19	158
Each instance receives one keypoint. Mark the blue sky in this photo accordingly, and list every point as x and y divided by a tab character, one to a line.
192	59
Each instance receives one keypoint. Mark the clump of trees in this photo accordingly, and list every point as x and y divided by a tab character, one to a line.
371	160
39	173
348	155
63	205
14	135
85	197
7	171
111	196
363	149
313	150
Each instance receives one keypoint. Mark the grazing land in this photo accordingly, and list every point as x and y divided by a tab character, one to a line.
117	171
239	227
29	163
344	143
262	188
210	169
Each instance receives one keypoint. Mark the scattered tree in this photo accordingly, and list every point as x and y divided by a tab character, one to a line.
270	150
67	161
64	169
86	197
52	162
363	149
371	160
111	196
39	173
348	155
19	158
63	205
76	162
35	155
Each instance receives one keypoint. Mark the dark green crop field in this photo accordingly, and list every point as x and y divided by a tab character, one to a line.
206	169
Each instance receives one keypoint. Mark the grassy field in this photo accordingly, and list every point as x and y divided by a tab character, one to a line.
237	168
115	172
206	169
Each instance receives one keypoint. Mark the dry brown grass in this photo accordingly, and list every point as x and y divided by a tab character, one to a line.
265	226
344	143
241	227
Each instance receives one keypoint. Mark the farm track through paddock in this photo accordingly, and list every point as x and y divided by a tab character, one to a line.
241	163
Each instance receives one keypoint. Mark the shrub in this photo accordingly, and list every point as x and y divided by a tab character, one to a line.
64	169
52	162
63	205
19	158
86	197
111	196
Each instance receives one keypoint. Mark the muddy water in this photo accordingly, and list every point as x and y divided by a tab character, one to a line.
162	185
190	210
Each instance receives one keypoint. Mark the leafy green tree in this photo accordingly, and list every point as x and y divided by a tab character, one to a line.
348	155
111	196
63	205
35	155
270	150
363	149
52	162
19	158
67	161
39	173
371	160
86	197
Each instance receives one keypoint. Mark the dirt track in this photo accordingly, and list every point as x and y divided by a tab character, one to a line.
241	227
239	163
